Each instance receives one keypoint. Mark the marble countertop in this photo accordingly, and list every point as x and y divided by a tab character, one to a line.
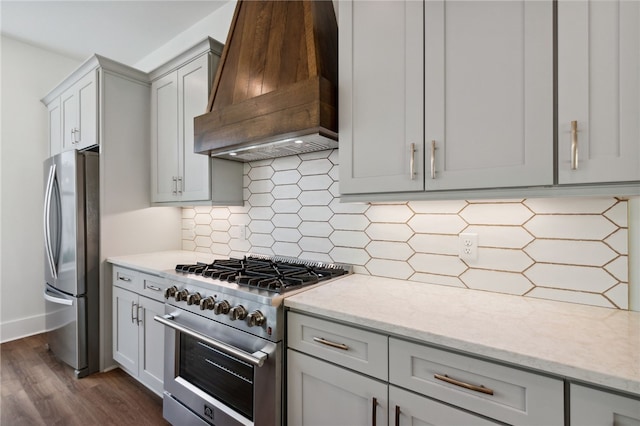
584	343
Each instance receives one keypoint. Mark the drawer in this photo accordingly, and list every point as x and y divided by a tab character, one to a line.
153	287
503	393
126	278
350	347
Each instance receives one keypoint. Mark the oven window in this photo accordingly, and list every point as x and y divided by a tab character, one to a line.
223	377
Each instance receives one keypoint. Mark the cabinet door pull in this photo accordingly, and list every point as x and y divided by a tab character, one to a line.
153	287
138	320
469	386
374	408
397	422
133	307
180	185
330	343
125	279
175	185
433	159
412	161
574	145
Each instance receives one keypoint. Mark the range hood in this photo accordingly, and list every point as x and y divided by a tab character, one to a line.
275	90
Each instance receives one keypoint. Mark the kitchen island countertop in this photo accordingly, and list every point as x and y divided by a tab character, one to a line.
583	343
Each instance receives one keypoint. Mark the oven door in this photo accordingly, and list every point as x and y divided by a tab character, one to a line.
216	374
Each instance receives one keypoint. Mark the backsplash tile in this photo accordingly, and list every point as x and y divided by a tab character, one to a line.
567	249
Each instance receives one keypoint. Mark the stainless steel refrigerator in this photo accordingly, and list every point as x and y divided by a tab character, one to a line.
71	236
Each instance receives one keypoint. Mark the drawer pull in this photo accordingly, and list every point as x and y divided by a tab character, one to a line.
373	411
475	388
153	287
330	343
125	279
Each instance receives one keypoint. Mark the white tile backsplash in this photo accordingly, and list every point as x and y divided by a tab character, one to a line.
567	249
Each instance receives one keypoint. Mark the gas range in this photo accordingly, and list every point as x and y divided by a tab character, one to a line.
246	293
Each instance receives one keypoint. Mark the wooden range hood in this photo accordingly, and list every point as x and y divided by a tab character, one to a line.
275	90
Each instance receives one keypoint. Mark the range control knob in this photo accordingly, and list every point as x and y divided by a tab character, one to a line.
238	313
256	318
221	307
181	295
170	291
207	303
194	299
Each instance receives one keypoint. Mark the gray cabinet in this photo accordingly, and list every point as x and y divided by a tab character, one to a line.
595	407
599	91
179	92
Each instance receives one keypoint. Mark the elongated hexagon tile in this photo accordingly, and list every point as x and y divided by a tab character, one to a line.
570	277
282	192
260	173
315	213
389	213
220	225
619	295
500	236
243	209
389	250
288	235
240	246
202	209
315	229
202	219
286	220
495	201
334	173
220	237
501	260
261	163
188	213
570	205
315	257
203	241
261	226
239	219
618	214
260	200
315	198
435	244
314	155
261	186
389	232
188	234
619	241
286	163
349	255
286	206
222	249
200	230
570	252
580	297
437	279
335	189
286	249
619	268
496	214
441	207
261	240
315	244
356	239
437	223
570	227
337	207
264	213
320	166
285	177
496	281
437	264
389	268
315	182
334	157
188	224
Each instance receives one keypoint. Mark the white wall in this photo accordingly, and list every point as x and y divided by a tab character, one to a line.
28	73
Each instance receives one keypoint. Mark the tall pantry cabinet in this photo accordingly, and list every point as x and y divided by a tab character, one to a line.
119	109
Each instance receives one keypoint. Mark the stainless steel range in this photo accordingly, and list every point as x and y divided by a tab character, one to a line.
225	326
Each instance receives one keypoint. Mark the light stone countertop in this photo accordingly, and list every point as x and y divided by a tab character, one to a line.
584	343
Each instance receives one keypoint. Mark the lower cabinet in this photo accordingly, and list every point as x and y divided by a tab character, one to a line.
596	407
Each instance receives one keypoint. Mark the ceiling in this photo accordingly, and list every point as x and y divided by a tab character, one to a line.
125	31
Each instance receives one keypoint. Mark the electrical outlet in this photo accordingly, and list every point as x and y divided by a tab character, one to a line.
239	232
468	246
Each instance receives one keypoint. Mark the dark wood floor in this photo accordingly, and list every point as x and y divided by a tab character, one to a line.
37	389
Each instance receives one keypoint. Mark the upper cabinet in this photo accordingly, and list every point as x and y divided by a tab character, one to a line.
598	91
179	92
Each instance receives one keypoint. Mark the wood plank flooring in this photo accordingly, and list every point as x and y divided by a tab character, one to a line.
38	389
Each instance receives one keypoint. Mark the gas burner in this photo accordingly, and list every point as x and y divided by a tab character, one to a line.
274	274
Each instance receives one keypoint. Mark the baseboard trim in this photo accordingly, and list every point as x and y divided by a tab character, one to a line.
23	327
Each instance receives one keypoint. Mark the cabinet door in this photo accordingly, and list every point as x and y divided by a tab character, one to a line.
164	138
599	87
125	329
407	408
319	393
595	407
151	344
488	93
69	120
55	128
193	88
87	98
381	96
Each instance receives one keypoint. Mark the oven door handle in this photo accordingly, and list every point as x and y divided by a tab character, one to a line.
256	359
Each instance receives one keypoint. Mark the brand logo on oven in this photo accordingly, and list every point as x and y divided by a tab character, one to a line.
208	411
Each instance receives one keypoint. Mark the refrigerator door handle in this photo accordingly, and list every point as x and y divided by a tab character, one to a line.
47	226
51	297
